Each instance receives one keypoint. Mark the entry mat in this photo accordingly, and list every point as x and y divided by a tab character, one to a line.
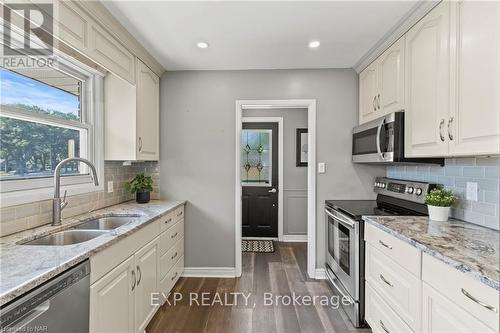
253	245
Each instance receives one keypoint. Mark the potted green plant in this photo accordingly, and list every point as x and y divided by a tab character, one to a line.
142	186
439	201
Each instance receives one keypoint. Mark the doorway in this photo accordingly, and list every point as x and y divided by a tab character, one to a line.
310	105
259	179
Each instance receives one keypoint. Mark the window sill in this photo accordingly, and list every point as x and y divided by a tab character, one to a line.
33	195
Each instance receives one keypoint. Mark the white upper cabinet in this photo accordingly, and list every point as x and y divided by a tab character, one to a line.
367	94
131	117
381	84
148	113
427	84
474	121
391	78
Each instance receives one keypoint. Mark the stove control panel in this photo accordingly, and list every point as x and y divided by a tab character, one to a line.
403	189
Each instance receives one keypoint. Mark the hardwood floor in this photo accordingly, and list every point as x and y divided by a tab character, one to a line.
280	273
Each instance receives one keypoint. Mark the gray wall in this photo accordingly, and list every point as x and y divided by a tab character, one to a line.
294	178
198	147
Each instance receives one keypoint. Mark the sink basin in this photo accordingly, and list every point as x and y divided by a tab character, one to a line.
67	237
105	223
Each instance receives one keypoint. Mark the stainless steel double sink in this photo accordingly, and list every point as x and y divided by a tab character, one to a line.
84	231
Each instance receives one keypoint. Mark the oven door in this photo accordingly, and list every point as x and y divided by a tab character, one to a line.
373	142
343	250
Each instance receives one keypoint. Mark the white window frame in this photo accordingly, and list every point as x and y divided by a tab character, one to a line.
15	192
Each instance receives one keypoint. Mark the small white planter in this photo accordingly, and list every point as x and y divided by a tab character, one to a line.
437	213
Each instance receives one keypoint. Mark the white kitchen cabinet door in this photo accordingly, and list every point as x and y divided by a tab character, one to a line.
112	300
368	94
441	315
474	122
147	270
427	59
74	25
148	113
390	97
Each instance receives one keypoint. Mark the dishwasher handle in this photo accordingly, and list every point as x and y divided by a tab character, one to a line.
29	317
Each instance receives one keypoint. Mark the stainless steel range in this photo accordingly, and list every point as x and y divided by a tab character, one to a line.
345	255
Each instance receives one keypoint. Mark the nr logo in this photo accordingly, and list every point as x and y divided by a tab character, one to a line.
36	30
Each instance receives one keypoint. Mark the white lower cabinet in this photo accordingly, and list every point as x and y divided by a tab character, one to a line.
121	295
422	293
442	315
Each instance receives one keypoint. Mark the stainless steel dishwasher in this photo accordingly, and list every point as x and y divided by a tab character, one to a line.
59	305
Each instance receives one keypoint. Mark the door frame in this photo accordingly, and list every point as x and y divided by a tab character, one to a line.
278	120
310	105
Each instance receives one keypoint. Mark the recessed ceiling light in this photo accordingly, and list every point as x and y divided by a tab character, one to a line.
202	45
314	44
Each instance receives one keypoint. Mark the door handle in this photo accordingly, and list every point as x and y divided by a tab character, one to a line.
140	144
134	280
441	124
450	121
378	101
140	275
273	190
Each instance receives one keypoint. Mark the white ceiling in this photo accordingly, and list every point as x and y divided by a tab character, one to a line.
258	35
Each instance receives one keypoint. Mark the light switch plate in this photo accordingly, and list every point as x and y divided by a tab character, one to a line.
471	191
110	186
321	167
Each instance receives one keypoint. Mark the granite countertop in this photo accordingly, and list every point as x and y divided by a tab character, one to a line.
24	267
469	248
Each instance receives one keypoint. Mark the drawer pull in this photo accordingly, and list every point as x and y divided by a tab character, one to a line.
384	244
134	280
385	280
169	220
173	277
140	275
174	235
179	214
175	255
383	326
484	305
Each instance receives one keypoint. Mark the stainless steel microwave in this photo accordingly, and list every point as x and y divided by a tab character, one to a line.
382	141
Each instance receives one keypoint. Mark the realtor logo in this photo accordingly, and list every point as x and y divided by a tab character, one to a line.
37	29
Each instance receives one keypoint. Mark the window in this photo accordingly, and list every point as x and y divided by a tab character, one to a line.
256	163
46	115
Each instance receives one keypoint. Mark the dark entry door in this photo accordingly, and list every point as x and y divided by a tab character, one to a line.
259	177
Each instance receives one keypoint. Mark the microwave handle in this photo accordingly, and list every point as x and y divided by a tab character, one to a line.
379	130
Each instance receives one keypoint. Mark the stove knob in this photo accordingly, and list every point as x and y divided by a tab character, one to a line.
418	191
376	184
409	190
382	185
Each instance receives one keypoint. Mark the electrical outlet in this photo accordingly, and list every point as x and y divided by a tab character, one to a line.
471	191
321	167
110	186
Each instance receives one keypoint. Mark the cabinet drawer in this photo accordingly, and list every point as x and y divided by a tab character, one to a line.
168	260
167	221
179	213
169	281
404	254
397	286
380	316
461	289
170	236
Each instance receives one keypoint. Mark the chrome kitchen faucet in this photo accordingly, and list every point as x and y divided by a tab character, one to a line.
58	203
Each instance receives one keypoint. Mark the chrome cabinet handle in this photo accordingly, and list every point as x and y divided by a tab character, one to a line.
133	280
174	235
484	305
373	104
386	282
441	124
383	326
172	257
273	190
180	213
173	277
140	144
140	275
449	125
378	101
385	245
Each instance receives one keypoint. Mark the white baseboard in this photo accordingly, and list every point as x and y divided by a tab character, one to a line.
320	274
212	272
294	238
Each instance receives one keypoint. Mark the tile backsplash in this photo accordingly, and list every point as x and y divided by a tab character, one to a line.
26	216
454	176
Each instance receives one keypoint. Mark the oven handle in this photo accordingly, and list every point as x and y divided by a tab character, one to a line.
343	221
332	281
379	130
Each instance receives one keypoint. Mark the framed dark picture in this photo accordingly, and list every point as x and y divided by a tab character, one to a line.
301	147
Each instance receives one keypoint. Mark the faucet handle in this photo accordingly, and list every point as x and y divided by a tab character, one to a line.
64	203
